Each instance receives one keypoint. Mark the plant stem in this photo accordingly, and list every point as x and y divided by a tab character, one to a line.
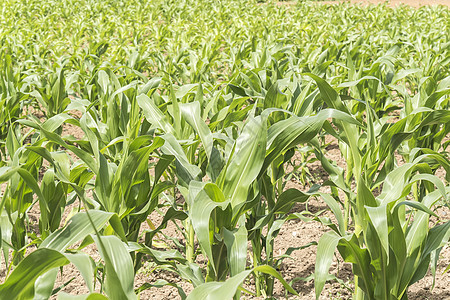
190	243
257	277
359	294
347	206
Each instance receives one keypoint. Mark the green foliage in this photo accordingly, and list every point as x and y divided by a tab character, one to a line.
204	111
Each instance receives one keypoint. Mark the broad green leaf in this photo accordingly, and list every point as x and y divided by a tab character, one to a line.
226	290
418	231
350	249
191	112
119	282
160	283
246	162
21	281
200	213
378	218
43	287
153	114
236	243
172	147
78	228
325	251
85	265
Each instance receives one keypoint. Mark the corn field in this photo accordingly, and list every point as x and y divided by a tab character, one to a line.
174	140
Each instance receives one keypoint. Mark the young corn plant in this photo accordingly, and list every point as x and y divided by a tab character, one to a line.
363	164
396	244
35	276
14	97
217	210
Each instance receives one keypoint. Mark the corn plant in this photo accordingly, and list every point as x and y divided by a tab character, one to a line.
396	244
363	170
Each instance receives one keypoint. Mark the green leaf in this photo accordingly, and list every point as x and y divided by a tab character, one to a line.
185	170
437	237
325	251
226	290
78	228
200	213
160	283
378	218
43	287
329	95
21	281
153	114
236	243
351	251
191	112
119	282
218	290
85	265
246	162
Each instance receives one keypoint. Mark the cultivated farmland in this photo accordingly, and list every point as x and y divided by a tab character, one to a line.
227	149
